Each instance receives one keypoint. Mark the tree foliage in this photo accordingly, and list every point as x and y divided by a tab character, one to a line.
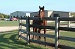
4	15
72	14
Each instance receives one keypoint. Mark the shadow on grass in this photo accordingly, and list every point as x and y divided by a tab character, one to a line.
12	42
23	43
65	47
5	42
64	38
67	38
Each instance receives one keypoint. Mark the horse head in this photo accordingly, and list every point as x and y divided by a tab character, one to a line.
41	12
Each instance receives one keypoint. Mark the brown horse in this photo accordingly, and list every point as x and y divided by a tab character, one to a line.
40	22
43	22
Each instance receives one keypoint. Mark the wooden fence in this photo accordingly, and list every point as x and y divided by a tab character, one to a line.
56	28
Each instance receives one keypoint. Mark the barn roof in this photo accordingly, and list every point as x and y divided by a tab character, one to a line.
26	11
23	11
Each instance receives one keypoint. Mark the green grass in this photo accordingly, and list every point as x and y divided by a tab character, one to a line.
53	23
9	40
9	23
15	23
68	39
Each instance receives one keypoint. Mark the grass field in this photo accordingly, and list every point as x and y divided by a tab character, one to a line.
9	23
53	23
9	40
15	23
67	39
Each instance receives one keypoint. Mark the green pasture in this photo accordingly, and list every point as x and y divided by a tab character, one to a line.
16	23
9	40
67	39
53	23
9	23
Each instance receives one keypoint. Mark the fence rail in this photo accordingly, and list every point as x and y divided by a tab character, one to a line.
56	28
50	18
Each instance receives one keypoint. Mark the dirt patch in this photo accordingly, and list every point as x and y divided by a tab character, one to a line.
8	28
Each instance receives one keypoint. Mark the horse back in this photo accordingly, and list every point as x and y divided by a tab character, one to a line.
37	22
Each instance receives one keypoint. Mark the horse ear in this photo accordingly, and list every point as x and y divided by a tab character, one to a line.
43	7
39	6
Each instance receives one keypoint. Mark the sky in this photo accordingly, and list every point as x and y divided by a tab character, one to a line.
9	6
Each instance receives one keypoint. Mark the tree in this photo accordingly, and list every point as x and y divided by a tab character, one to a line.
72	14
3	15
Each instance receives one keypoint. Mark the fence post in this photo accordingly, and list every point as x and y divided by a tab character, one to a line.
68	23
20	27
28	29
56	30
58	27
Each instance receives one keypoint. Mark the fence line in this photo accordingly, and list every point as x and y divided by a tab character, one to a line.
56	28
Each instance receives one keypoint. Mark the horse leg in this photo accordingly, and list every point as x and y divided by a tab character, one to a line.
39	32
34	30
45	37
44	33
